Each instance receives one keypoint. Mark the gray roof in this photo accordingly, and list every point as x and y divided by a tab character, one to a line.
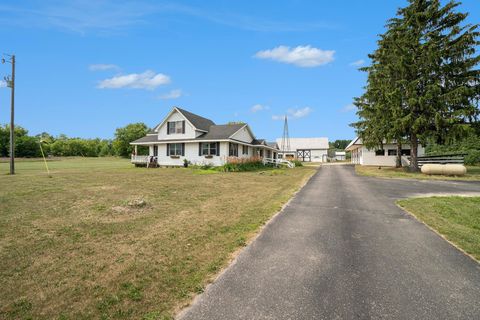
151	138
259	141
197	121
222	131
272	144
215	132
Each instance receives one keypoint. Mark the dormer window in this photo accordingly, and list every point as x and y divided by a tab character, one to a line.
175	127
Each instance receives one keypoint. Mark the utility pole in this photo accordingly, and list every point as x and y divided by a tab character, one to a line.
12	120
11	84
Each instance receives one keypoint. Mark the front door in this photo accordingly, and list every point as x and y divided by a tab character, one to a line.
304	155
155	151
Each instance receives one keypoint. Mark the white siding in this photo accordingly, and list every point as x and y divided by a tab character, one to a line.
367	157
243	135
190	132
319	155
191	154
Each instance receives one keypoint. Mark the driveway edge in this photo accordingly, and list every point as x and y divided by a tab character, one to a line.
435	231
234	256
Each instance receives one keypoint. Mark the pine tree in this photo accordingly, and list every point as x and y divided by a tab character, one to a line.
429	84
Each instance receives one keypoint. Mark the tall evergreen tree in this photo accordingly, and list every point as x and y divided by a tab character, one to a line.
427	65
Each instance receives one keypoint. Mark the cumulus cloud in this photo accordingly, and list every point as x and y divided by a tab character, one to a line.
357	63
295	113
301	56
348	108
258	107
103	67
147	80
174	94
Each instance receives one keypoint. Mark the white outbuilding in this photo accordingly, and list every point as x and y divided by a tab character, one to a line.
340	155
384	157
305	149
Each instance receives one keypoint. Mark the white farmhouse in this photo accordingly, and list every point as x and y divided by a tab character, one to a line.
183	135
306	149
385	157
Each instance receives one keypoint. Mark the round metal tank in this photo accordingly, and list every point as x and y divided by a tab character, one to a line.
444	169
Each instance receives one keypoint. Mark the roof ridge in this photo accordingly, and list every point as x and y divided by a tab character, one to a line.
198	122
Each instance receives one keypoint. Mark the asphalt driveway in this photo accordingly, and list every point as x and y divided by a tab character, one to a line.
343	250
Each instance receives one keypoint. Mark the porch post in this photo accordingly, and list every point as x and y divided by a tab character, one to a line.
135	149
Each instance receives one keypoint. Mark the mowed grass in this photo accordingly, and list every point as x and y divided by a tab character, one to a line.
72	247
473	173
456	218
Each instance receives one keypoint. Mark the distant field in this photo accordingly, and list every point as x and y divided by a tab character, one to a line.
473	173
457	218
78	246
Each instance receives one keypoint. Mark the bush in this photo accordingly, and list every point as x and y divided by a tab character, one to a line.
206	166
473	157
27	147
297	163
243	164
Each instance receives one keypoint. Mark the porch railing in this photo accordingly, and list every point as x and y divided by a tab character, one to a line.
139	159
278	162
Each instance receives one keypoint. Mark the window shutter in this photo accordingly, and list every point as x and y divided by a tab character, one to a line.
183	126
183	149
218	148
168	149
199	148
168	130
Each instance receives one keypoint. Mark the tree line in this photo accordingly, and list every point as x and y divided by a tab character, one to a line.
62	146
423	83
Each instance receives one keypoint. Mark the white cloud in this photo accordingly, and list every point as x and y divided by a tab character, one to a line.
147	80
3	84
259	107
300	112
357	63
174	94
103	67
294	113
348	108
301	56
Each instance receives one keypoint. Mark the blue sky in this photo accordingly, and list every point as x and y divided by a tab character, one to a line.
85	67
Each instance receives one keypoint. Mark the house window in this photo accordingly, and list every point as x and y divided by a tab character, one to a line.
174	127
155	151
392	152
175	149
380	152
208	148
244	149
405	152
233	150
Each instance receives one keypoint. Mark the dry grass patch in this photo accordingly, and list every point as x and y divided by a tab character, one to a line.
81	246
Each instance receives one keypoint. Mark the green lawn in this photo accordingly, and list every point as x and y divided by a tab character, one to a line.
457	218
473	173
77	246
